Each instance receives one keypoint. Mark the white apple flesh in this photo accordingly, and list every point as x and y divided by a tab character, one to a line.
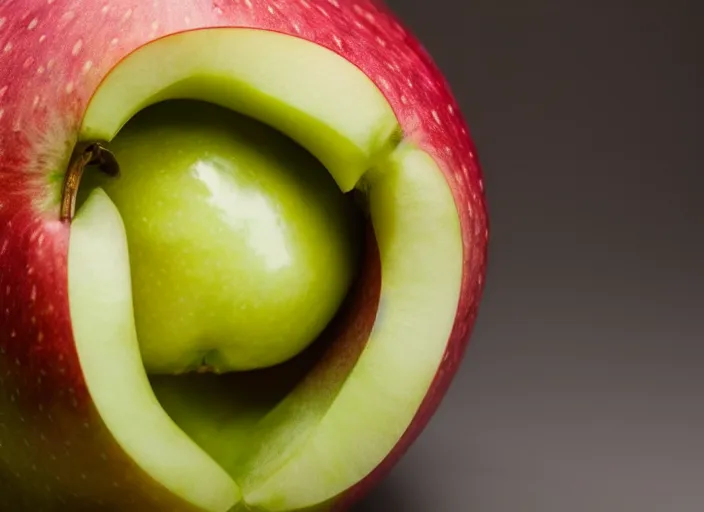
80	422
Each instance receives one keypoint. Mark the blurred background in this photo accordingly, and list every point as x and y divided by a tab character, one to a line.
582	387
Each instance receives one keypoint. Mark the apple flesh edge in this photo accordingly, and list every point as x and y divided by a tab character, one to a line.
315	430
106	341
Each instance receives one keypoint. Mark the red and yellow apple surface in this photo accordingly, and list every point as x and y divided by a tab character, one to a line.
242	248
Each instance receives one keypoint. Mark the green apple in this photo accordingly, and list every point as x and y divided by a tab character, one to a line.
242	247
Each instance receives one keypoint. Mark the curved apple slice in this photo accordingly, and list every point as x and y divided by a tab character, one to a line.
420	245
106	340
308	92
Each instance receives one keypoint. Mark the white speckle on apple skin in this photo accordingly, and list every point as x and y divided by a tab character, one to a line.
322	11
384	83
77	47
127	15
338	41
7	48
42	38
33	24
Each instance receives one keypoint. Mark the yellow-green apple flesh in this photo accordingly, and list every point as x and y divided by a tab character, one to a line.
81	425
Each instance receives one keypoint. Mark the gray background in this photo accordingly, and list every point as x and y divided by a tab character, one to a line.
581	390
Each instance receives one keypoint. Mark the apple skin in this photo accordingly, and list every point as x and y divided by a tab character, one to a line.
53	56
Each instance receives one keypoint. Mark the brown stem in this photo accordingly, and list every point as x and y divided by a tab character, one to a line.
92	153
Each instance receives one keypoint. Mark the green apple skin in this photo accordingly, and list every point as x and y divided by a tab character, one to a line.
242	247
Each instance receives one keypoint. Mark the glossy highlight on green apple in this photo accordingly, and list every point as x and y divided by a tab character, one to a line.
242	247
264	307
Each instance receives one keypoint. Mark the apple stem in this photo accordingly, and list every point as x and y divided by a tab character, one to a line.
84	155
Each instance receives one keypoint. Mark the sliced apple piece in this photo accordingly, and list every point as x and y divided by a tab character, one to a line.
420	245
103	325
311	94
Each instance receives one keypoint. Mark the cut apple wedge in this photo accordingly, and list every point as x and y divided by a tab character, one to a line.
338	423
108	350
309	93
353	420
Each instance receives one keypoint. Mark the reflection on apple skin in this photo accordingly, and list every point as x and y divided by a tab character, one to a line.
248	211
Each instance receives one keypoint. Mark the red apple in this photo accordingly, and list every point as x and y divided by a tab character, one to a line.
80	426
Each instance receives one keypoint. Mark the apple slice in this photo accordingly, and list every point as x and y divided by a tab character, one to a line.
341	426
308	92
108	351
315	430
